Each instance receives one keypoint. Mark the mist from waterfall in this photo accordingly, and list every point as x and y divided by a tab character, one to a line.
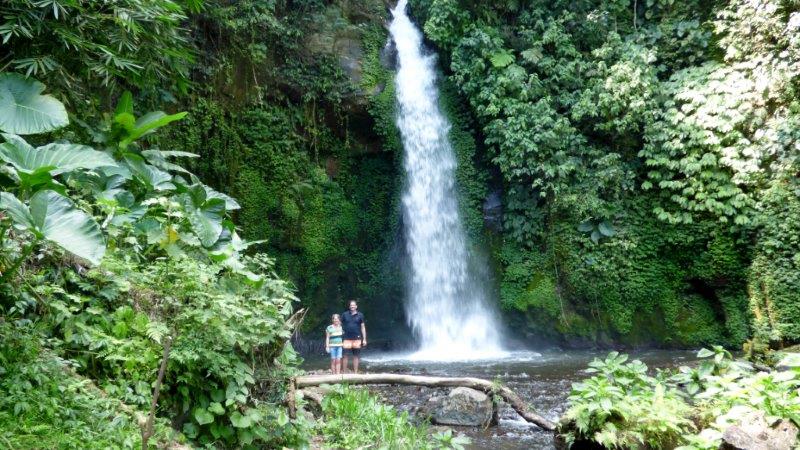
447	307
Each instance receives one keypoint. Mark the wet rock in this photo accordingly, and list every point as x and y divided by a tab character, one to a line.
462	407
350	56
788	361
581	444
753	432
388	55
308	415
493	210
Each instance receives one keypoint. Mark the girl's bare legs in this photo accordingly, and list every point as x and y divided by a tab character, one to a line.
338	366
333	365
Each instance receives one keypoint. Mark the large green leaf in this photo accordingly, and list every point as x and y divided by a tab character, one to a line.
606	229
145	124
149	174
125	104
202	416
58	158
158	159
206	218
23	110
240	421
19	213
54	217
198	190
230	202
58	220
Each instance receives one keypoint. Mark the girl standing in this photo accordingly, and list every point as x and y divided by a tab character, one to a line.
333	343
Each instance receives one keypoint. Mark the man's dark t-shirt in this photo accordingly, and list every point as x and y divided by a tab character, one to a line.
351	324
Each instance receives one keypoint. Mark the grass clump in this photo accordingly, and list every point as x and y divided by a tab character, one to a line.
355	419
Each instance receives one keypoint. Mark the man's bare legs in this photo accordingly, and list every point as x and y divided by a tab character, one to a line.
355	363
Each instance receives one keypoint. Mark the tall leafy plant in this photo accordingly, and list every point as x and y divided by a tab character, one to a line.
149	201
36	202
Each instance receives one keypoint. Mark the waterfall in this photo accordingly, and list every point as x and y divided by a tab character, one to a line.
447	306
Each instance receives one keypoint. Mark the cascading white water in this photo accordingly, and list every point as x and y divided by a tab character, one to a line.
447	307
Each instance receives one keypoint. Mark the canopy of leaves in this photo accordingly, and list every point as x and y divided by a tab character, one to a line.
82	45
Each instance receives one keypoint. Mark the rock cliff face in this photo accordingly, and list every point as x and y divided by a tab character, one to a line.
342	32
297	121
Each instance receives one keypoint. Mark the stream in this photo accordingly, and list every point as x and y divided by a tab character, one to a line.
541	379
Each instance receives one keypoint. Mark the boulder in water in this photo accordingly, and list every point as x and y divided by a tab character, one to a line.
753	432
462	407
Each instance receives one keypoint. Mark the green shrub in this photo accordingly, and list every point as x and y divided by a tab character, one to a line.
623	407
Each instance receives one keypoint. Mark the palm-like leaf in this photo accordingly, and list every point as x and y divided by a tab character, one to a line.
23	108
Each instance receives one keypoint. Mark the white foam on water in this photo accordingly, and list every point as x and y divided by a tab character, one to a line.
421	357
447	308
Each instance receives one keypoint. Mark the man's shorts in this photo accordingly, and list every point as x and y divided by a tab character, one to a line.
354	345
336	352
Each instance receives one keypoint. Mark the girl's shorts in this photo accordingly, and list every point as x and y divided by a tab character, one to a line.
336	352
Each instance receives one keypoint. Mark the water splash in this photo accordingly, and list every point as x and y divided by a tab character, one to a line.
447	306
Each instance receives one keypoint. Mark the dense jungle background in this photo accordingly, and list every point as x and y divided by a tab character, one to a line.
629	167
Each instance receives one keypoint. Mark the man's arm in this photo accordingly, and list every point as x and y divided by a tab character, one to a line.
363	334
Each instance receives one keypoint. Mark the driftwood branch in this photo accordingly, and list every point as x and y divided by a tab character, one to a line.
313	396
479	384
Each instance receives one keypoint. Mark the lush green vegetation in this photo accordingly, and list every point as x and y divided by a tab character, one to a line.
166	280
46	405
355	419
647	159
622	406
117	257
644	153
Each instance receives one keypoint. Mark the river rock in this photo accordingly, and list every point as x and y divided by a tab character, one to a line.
753	432
788	361
463	407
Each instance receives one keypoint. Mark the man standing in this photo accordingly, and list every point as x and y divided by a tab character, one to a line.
355	335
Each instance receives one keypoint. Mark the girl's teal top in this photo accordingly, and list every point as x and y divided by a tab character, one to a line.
334	336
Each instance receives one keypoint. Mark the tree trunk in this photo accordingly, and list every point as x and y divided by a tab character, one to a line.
486	386
147	429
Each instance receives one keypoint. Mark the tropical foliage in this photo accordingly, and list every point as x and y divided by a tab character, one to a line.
168	272
631	168
622	406
81	46
636	143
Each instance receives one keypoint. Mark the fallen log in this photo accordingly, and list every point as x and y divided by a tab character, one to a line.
479	384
